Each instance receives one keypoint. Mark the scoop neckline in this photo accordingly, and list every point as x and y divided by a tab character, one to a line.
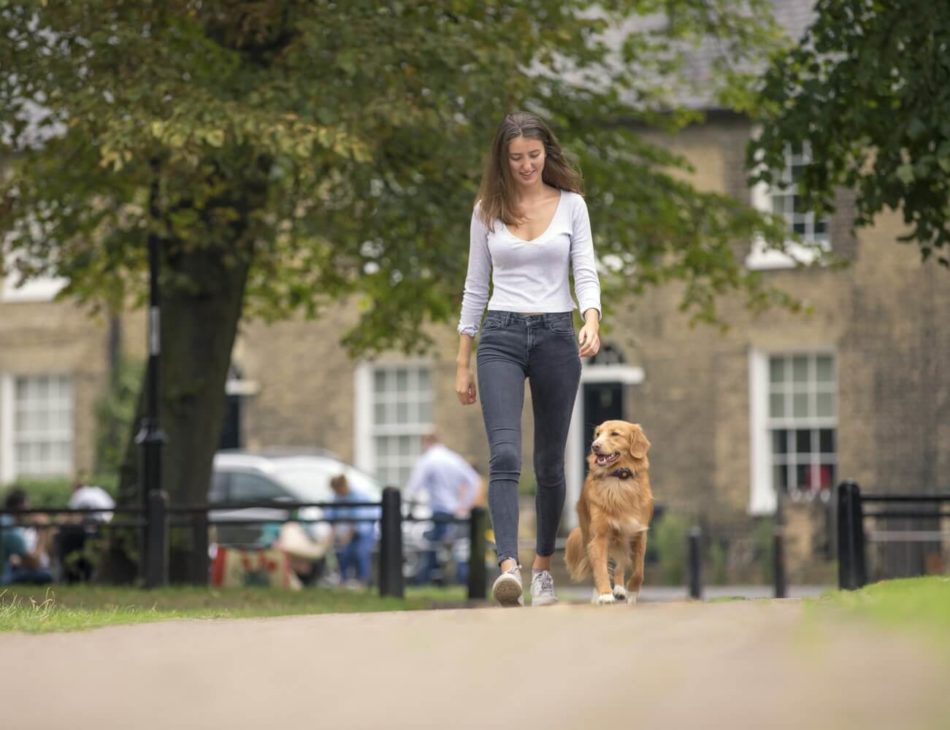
557	209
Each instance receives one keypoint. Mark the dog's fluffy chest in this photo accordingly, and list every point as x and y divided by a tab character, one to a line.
622	503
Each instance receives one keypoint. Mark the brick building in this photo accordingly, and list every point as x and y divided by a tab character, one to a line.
859	389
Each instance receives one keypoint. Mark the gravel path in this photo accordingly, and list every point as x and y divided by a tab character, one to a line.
751	664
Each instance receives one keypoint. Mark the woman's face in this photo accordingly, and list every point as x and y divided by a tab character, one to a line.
526	160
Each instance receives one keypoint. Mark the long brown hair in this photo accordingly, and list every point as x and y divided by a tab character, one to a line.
496	195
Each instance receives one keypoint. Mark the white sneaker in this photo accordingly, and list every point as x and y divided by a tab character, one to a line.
542	588
507	588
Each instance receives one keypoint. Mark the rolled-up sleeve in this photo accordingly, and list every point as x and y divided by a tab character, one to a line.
583	260
475	295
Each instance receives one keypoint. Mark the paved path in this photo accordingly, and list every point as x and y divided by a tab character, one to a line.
654	594
747	664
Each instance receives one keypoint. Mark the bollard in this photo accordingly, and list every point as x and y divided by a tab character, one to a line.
695	567
390	545
156	539
477	574
200	562
852	571
778	563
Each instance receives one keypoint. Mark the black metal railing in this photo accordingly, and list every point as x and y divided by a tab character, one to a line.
853	538
159	517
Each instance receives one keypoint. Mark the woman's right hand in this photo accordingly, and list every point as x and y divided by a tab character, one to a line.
465	385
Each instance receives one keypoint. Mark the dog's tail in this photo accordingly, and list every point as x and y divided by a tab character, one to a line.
576	556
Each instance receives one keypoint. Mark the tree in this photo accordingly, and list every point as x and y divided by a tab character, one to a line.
291	155
867	89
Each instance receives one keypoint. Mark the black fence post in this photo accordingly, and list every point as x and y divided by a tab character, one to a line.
477	573
778	563
201	563
695	564
390	545
852	567
156	539
779	578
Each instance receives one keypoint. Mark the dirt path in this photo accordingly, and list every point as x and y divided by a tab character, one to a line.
730	665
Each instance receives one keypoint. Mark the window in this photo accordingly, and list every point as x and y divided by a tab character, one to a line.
247	487
802	424
394	410
795	437
43	425
783	200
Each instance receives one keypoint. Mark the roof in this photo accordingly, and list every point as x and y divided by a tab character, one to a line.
697	91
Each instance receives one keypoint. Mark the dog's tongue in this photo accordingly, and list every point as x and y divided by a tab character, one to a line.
602	459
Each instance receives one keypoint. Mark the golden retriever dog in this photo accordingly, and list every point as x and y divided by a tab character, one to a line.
613	512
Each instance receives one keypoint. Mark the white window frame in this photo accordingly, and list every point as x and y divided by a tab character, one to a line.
9	468
762	492
761	257
365	428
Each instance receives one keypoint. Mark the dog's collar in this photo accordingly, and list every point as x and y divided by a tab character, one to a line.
622	473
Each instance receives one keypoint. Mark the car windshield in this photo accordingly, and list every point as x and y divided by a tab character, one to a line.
311	481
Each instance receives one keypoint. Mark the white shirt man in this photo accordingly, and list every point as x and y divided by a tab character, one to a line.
450	482
88	496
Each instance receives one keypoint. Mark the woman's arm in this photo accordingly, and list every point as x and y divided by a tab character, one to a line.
464	377
474	299
475	295
586	280
589	336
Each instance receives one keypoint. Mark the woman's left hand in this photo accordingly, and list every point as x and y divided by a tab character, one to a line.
589	339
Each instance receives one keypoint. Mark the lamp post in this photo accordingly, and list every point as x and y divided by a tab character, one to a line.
150	436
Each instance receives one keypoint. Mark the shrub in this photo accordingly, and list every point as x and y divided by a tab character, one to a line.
55	491
669	535
115	412
44	491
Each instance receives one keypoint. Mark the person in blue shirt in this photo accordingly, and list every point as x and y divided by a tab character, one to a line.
353	540
24	551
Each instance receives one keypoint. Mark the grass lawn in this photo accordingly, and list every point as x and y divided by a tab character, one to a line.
70	608
919	603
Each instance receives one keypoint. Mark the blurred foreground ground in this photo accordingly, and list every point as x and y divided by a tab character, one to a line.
739	664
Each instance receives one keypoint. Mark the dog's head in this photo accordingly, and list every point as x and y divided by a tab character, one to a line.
616	443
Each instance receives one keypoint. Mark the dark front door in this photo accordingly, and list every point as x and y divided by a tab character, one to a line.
231	428
602	402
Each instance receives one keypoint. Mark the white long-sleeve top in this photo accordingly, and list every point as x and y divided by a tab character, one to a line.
531	276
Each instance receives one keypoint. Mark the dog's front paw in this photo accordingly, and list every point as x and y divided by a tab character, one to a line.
620	593
603	599
632	599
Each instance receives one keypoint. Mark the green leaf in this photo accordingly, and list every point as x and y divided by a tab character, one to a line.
905	173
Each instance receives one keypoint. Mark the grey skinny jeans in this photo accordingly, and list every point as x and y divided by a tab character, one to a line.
542	348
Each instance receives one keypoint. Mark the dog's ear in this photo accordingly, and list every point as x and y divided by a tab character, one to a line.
639	445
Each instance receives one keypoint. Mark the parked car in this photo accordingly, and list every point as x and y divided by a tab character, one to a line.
285	475
282	476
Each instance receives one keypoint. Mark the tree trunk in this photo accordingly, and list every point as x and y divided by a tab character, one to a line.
198	332
202	296
198	328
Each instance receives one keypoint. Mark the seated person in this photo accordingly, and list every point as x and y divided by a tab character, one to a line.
24	549
89	496
353	540
73	539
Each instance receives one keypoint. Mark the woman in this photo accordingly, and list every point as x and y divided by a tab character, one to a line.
529	229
